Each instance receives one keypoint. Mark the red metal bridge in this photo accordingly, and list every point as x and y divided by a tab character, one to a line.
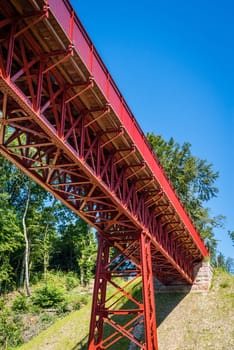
64	122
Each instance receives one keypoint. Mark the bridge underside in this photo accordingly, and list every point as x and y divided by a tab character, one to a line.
68	129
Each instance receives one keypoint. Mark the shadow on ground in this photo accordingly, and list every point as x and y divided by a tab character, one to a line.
165	304
82	345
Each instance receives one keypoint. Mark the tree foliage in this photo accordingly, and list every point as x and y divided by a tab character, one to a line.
229	265
231	235
194	181
37	233
75	249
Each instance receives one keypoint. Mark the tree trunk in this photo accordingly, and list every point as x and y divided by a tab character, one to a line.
81	275
21	281
45	245
26	254
46	253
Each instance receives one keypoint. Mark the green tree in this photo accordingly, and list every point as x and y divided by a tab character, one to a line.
231	235
27	211
11	238
75	247
220	261
48	221
38	233
230	265
86	258
40	225
29	200
194	181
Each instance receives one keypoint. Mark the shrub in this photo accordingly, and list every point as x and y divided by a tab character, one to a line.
36	277
76	305
20	304
71	282
56	278
79	302
63	308
47	319
84	299
224	284
10	329
35	309
48	296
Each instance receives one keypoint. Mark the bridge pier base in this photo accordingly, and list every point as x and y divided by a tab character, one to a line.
123	297
202	281
203	276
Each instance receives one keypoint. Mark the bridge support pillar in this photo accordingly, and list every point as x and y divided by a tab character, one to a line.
123	311
148	294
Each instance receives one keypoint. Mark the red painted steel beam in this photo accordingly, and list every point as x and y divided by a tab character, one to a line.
148	294
78	159
106	311
105	169
83	44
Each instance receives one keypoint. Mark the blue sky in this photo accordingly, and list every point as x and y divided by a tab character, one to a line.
173	61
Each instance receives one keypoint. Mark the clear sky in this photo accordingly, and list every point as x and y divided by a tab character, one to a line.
173	61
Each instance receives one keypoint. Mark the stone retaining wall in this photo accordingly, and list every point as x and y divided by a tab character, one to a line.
203	272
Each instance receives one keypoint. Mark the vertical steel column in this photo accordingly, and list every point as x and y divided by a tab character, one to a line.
106	310
148	294
99	296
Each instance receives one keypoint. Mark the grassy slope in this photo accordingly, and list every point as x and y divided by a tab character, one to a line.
64	334
185	322
200	321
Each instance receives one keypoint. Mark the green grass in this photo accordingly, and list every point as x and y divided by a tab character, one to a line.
64	334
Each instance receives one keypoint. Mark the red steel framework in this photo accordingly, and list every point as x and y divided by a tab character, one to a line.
64	122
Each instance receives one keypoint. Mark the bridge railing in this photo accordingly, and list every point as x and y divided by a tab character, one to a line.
76	33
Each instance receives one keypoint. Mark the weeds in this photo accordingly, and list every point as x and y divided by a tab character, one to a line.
224	284
71	281
47	318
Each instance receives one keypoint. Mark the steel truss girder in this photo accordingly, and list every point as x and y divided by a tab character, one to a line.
74	140
137	291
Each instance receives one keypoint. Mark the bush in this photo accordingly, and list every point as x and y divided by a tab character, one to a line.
47	297
84	299
10	329
224	284
56	278
71	282
79	302
47	319
63	308
36	277
76	305
35	309
20	304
